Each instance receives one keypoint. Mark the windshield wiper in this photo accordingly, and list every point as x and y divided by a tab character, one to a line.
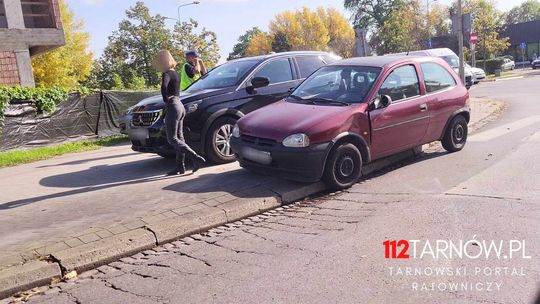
330	101
301	99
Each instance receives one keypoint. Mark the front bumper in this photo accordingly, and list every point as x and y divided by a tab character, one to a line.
298	164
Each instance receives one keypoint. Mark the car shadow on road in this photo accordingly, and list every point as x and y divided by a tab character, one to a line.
240	183
98	178
88	160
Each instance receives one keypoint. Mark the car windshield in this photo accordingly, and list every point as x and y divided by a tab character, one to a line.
452	60
225	75
337	85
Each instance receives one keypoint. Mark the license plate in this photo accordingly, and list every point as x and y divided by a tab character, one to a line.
138	134
261	157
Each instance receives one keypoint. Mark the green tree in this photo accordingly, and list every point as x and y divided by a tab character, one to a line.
403	31
527	11
70	64
131	50
371	13
187	37
487	22
239	49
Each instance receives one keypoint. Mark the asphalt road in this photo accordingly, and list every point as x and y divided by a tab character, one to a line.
330	250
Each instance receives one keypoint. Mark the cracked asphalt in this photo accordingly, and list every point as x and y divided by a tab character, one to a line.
330	249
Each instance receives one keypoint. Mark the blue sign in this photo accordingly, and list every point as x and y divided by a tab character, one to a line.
523	45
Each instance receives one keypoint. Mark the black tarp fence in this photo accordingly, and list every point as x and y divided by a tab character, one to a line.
98	114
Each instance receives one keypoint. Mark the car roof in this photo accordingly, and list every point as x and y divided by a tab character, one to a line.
382	61
282	54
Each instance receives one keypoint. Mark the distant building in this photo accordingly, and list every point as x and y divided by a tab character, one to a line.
526	32
27	28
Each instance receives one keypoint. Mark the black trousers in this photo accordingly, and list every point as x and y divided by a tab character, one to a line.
174	126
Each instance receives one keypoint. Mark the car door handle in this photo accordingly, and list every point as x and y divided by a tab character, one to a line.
423	107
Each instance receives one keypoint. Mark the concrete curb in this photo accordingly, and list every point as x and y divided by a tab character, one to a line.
29	275
104	251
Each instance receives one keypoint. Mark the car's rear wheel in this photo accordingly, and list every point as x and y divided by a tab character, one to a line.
218	141
455	137
343	167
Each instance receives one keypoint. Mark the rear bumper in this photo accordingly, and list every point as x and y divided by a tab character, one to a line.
298	164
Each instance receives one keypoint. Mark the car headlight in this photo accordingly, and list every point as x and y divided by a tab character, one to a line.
236	131
193	106
296	141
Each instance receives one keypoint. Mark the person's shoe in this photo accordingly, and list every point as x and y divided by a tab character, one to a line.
177	171
197	162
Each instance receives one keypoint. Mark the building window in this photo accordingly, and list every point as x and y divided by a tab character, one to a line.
37	14
3	20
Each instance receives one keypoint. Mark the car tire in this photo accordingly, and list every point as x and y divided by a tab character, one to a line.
455	136
343	167
218	146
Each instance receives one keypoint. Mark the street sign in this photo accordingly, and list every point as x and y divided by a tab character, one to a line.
474	38
523	45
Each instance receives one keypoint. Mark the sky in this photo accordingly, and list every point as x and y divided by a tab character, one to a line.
228	18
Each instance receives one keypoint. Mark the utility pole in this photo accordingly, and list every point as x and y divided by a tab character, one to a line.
460	40
429	22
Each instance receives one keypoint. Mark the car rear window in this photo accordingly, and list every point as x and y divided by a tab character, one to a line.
308	65
436	77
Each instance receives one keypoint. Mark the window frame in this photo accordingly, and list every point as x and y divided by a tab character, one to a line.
37	16
424	79
318	57
415	67
261	65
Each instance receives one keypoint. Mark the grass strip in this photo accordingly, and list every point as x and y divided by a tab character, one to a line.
24	156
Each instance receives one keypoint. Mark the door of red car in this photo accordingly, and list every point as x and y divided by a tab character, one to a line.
404	122
442	98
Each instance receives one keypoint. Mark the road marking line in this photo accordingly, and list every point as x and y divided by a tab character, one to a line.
509	78
505	129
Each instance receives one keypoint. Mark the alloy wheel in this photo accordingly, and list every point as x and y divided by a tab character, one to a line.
222	140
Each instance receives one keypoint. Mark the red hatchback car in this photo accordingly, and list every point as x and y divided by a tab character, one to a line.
353	112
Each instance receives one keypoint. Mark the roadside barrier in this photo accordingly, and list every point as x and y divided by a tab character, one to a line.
98	114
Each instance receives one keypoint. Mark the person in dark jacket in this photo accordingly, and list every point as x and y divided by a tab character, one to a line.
175	113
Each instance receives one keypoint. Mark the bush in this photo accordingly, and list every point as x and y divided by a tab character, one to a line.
43	99
491	65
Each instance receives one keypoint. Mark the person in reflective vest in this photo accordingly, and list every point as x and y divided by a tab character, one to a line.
192	70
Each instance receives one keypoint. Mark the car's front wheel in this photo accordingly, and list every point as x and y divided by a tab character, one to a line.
218	141
343	167
455	137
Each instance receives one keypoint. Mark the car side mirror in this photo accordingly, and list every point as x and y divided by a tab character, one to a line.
257	82
381	101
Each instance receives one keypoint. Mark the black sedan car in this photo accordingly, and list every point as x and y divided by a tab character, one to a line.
216	101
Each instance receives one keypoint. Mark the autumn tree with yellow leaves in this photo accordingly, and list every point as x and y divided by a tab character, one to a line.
69	65
322	29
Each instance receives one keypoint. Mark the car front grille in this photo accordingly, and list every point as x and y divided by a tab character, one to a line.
145	119
258	141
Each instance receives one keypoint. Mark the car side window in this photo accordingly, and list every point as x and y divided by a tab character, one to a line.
436	77
308	65
277	71
402	83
